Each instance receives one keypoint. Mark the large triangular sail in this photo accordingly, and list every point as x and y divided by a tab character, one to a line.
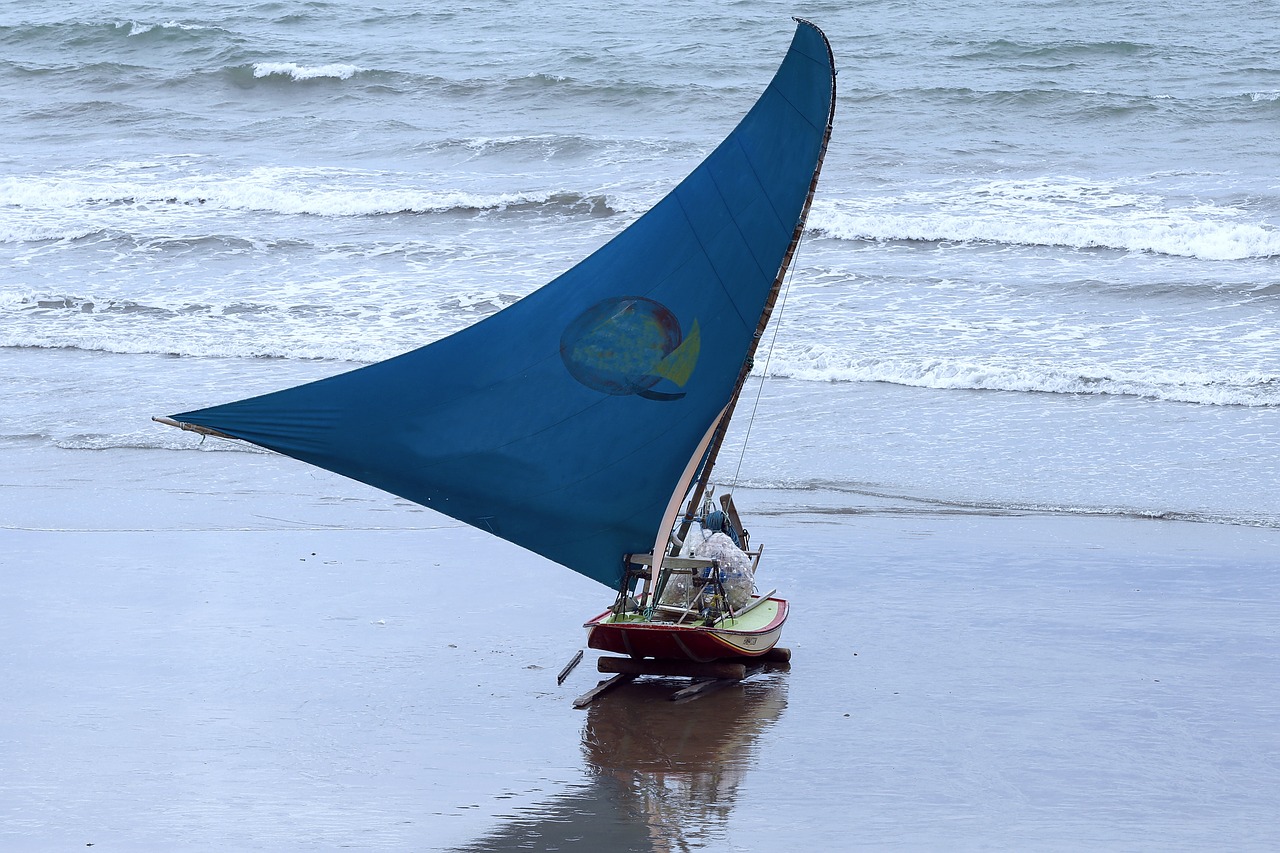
565	422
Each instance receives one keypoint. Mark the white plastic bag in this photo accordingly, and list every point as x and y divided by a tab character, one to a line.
735	571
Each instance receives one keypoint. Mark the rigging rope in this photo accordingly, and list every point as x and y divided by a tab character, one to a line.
777	325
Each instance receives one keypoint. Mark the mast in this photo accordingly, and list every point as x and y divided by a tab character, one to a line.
722	426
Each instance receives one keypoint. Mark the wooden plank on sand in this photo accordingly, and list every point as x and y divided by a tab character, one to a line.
568	668
600	689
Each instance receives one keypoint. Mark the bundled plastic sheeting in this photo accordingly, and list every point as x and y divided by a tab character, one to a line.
735	571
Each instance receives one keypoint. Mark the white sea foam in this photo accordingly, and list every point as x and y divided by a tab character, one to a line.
336	70
1052	212
1264	96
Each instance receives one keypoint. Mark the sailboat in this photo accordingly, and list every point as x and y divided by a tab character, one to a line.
583	422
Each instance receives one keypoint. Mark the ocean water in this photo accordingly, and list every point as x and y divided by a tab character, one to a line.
1042	270
1037	305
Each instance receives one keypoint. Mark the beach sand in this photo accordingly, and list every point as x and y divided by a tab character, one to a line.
234	651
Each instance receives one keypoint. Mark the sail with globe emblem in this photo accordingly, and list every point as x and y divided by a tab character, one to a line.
567	422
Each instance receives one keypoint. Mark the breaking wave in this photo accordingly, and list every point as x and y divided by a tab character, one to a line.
292	70
1071	214
1254	389
72	206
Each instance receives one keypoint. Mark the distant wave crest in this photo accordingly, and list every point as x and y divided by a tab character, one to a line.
88	34
890	502
138	28
1068	51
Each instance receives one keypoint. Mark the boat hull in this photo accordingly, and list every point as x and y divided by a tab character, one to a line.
746	637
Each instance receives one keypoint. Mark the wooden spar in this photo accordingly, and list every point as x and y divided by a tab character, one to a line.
731	510
755	603
192	428
568	668
722	424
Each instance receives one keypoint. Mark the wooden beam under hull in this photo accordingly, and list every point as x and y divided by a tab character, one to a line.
678	668
731	668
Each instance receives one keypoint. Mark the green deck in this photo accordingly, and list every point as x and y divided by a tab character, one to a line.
757	618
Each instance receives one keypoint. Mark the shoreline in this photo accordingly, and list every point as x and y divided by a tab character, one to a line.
862	442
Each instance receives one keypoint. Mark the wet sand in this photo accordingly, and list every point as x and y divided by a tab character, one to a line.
232	651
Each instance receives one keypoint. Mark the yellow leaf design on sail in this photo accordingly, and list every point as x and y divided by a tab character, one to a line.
679	363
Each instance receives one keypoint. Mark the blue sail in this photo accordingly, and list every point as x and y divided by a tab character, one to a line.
565	422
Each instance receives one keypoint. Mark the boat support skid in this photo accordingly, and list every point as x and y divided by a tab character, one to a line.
705	677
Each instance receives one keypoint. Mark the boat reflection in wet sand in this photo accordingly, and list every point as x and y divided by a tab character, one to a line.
663	776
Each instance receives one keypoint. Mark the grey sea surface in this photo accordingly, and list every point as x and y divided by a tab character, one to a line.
1015	443
1054	224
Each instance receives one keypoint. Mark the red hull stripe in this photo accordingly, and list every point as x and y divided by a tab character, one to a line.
683	642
